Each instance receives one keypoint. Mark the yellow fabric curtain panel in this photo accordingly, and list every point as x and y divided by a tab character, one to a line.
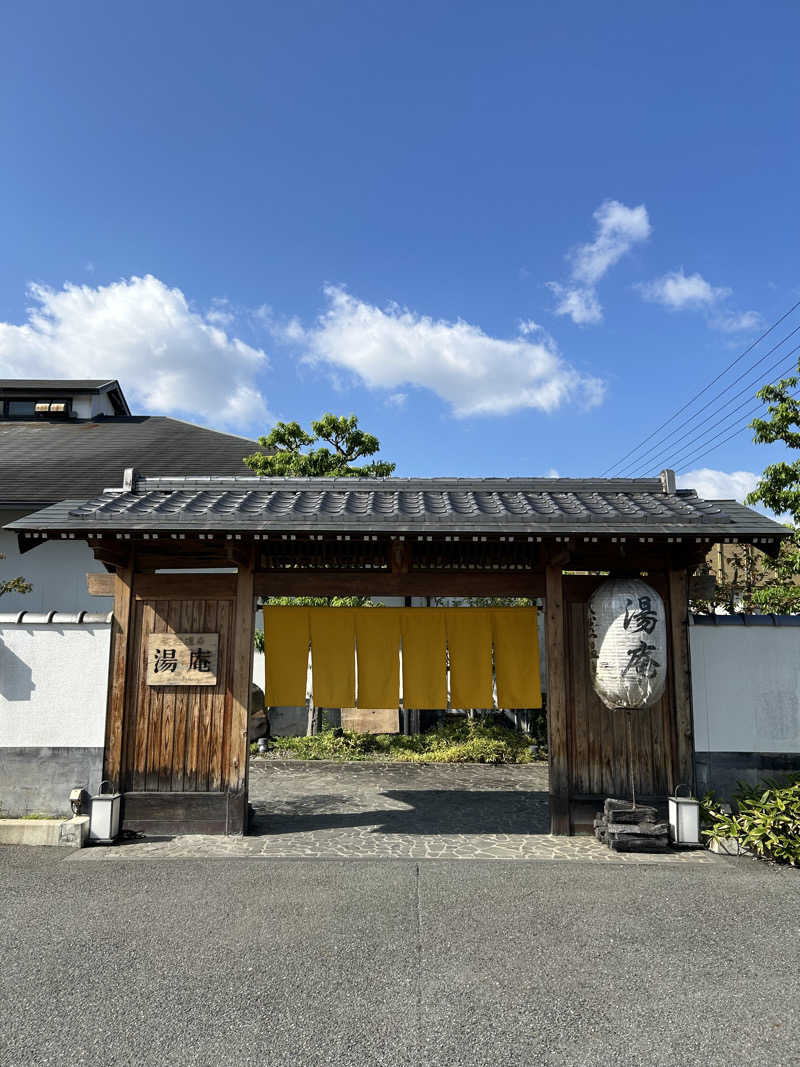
356	655
287	632
378	644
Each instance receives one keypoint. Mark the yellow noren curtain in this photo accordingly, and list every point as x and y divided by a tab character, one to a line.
333	669
424	664
516	658
378	640
286	635
469	640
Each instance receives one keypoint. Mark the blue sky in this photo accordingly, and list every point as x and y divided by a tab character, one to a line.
513	238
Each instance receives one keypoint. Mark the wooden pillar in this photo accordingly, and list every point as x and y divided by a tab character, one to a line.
679	623
242	675
117	673
557	700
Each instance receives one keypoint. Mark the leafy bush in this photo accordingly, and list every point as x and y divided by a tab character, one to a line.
460	740
767	822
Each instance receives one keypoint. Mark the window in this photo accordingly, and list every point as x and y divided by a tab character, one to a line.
19	408
34	407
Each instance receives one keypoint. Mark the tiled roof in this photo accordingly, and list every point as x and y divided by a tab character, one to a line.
83	385
45	461
442	505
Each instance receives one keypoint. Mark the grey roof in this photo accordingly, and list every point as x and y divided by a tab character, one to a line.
75	385
42	462
440	505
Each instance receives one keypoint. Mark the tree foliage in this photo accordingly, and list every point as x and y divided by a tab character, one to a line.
753	583
14	585
293	454
779	485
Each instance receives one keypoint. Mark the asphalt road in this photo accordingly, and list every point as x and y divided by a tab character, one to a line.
206	962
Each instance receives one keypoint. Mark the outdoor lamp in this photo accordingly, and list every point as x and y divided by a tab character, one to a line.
104	816
684	819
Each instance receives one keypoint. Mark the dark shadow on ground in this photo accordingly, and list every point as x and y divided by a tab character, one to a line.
432	811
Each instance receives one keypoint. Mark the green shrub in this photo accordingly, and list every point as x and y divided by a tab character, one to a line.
458	740
767	822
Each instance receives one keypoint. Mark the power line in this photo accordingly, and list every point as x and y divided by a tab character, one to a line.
722	392
703	451
784	368
702	391
730	419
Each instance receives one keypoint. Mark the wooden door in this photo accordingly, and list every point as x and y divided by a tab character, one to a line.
180	752
177	738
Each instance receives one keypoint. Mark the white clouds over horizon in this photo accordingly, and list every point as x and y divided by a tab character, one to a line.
476	374
678	291
169	358
618	229
719	485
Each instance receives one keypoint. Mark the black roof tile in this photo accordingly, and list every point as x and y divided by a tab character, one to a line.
442	505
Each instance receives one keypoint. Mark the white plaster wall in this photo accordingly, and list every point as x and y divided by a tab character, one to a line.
53	683
746	688
57	571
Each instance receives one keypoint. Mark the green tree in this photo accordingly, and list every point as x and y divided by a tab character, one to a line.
778	589
14	585
288	440
779	485
751	581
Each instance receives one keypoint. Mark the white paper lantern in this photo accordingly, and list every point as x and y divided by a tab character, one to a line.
627	643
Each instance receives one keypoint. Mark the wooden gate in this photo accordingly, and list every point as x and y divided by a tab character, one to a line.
183	748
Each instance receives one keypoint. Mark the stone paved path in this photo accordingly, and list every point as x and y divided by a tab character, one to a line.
327	810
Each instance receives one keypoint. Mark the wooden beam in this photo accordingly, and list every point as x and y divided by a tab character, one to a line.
118	672
557	741
417	583
112	555
101	584
185	586
241	679
148	562
678	592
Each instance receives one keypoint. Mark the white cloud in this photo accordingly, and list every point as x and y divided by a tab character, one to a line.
168	358
473	372
581	305
718	485
678	291
396	400
619	228
736	321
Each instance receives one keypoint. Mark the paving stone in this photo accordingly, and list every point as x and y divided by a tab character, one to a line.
322	809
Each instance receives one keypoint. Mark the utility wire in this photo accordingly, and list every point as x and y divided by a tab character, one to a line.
722	392
701	430
698	443
688	404
703	451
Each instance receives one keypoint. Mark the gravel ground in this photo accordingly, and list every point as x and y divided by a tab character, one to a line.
206	962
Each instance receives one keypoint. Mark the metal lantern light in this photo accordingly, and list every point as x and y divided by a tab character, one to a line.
684	819
104	816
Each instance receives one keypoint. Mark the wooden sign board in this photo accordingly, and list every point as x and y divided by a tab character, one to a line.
371	721
182	659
